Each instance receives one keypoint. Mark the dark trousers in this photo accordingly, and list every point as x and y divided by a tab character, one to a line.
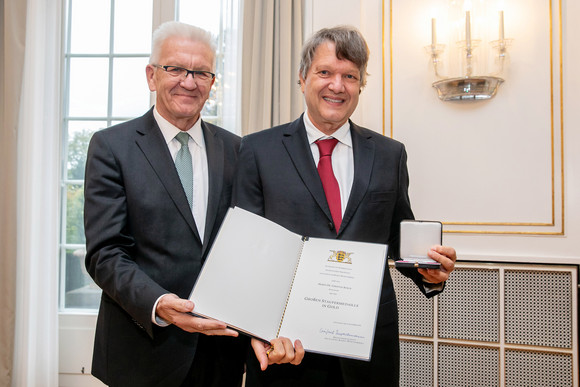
217	362
314	371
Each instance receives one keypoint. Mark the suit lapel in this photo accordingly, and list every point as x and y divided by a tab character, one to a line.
364	154
296	142
153	146
215	149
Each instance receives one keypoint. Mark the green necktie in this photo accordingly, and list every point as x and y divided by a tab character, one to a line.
184	166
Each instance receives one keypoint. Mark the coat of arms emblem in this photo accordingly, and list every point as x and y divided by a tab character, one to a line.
340	256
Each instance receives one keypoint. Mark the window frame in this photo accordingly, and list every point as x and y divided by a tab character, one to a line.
163	10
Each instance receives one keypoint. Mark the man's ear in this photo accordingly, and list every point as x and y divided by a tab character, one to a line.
301	82
150	73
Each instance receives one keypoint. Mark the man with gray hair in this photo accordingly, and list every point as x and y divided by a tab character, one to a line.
324	176
156	191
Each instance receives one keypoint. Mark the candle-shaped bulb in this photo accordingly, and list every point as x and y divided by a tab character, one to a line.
501	34
433	33
467	29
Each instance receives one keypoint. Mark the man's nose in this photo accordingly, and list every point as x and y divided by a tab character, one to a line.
189	82
336	83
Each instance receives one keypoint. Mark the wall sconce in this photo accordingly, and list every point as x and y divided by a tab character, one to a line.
469	86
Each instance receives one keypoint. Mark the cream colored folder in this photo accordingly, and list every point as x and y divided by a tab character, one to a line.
265	281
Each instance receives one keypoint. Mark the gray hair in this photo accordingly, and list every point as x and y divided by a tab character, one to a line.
172	29
349	43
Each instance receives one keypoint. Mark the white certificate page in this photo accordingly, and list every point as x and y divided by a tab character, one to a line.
247	276
334	301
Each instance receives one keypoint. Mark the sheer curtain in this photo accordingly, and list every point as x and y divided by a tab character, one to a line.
31	89
272	40
12	42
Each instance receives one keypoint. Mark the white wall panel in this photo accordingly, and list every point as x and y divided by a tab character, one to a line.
503	172
495	164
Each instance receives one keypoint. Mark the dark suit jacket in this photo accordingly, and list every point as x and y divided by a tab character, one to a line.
142	243
277	178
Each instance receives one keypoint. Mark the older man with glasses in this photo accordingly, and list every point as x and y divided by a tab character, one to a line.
157	189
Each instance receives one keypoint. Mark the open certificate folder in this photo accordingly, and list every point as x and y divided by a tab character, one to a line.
266	281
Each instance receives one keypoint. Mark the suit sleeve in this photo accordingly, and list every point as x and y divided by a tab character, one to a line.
403	211
248	193
110	244
402	207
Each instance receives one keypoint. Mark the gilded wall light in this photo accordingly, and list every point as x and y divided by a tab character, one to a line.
471	84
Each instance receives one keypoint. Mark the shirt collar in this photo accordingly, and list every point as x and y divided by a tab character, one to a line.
342	134
169	130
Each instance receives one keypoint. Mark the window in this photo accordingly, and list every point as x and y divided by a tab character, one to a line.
220	17
107	48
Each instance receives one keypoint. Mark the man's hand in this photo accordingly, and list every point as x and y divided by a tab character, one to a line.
279	351
446	256
175	310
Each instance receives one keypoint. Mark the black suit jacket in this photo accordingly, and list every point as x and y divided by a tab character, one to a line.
142	242
277	178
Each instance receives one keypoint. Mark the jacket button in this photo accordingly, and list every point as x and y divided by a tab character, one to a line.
331	225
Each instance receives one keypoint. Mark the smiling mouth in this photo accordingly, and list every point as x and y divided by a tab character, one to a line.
333	100
186	96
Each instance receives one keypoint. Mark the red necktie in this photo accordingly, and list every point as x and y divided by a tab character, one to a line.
329	182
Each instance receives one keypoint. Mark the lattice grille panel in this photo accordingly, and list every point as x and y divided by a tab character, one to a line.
535	305
416	364
461	366
538	308
469	306
538	369
415	310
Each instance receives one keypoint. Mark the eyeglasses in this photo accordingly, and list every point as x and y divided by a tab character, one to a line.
182	73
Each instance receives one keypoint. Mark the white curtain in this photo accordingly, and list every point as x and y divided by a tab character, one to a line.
272	40
38	135
12	43
231	108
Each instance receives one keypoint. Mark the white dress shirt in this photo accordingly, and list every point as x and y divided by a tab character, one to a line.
342	156
198	152
200	169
